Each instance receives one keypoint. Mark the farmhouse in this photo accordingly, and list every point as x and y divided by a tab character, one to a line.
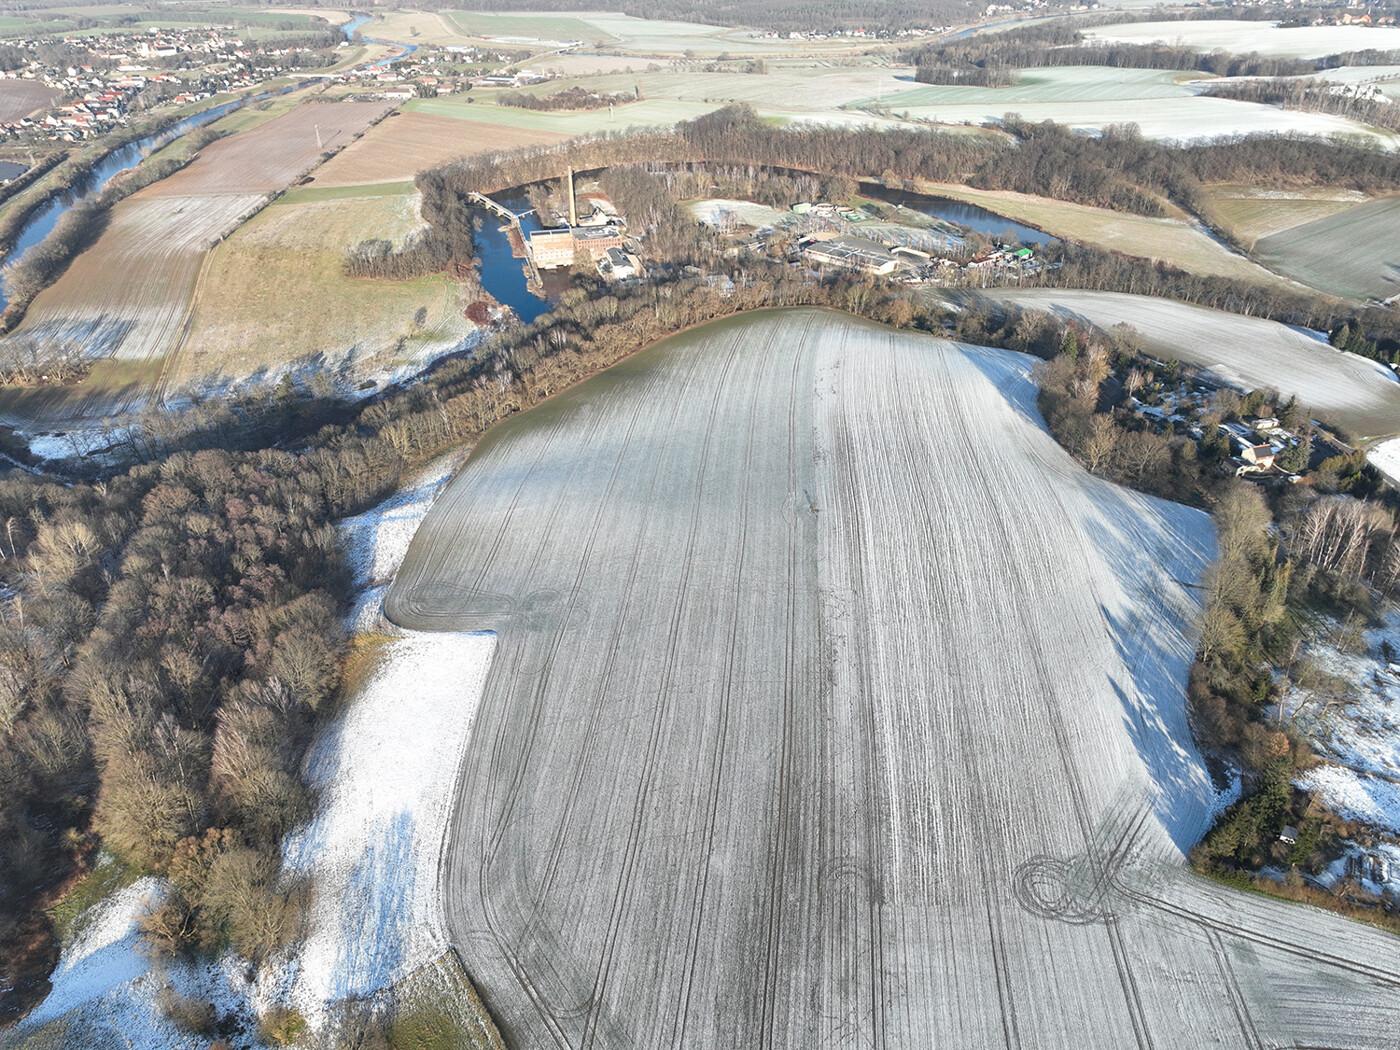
1261	456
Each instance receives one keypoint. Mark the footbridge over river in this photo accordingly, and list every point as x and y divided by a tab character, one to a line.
513	227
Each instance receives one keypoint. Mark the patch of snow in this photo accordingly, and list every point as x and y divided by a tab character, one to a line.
1356	796
387	776
105	955
1226	796
377	540
748	213
107	988
1364	732
1385	457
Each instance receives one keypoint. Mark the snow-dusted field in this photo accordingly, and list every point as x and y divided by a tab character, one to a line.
1249	352
376	541
1385	457
833	704
1355	252
1243	37
1165	104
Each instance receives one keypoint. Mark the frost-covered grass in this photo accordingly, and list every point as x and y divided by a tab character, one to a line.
1241	37
1355	252
1250	213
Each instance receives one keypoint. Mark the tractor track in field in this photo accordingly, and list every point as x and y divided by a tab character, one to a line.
744	742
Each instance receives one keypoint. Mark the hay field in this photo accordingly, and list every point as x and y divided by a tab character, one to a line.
1250	352
1250	212
1172	240
800	732
1243	37
269	156
274	297
1355	252
19	98
406	143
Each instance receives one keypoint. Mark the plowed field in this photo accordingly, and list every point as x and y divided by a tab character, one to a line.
127	297
271	155
19	98
403	145
834	705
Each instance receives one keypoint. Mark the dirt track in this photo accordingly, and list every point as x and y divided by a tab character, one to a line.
835	706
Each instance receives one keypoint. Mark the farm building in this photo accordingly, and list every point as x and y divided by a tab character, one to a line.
554	248
852	253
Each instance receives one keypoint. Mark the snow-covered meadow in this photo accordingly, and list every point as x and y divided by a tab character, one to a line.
1385	457
1247	352
386	773
1241	37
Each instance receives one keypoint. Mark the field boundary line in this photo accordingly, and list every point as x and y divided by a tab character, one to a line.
187	323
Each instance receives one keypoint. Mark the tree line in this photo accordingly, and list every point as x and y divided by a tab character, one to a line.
1317	96
1062	43
570	98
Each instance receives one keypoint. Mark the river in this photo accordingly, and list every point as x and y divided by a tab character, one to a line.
42	222
959	212
502	274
